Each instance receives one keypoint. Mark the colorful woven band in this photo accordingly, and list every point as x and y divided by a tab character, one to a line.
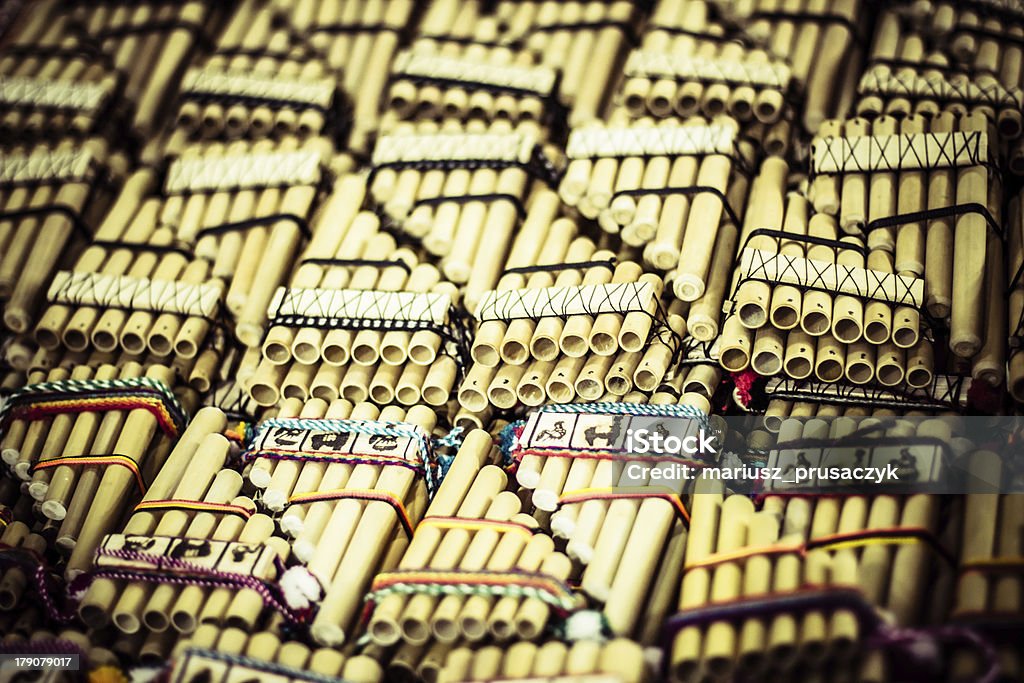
359	494
93	395
193	506
115	460
553	592
583	495
476	525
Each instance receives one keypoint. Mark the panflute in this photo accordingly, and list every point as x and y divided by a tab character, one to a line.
818	40
434	79
461	190
700	71
346	479
605	335
619	660
358	42
71	436
51	196
361	319
577	463
235	652
142	48
258	84
165	269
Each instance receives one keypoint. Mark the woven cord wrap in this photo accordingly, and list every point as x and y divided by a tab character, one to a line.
427	465
638	493
192	506
97	395
35	567
877	632
476	525
854	539
517	584
114	459
359	494
177	572
258	665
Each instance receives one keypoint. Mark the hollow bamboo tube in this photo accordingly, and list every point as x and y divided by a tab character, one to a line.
833	46
969	247
698	244
843	629
576	330
786	300
706	506
853	210
344	594
559	247
766	210
419	619
825	188
848	311
762	531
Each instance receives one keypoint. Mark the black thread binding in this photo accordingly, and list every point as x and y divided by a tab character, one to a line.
142	247
357	262
556	267
241	226
77	223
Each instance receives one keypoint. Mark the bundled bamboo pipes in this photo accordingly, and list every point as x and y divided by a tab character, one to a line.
744	556
201	520
459	190
361	318
146	45
650	184
212	651
580	327
50	195
358	41
222	230
102	433
696	71
350	488
257	84
619	659
435	79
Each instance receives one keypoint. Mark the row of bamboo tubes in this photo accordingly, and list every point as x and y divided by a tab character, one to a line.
146	45
666	226
358	41
587	56
685	95
408	100
618	659
934	249
896	578
248	264
201	452
21	119
919	56
819	50
383	366
267	646
252	31
31	247
63	497
470	237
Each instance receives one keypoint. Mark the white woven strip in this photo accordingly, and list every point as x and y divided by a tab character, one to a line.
510	304
536	79
650	141
328	443
907	83
358	304
246	559
272	169
859	282
33	92
507	147
135	293
653	64
46	167
899	152
207	81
